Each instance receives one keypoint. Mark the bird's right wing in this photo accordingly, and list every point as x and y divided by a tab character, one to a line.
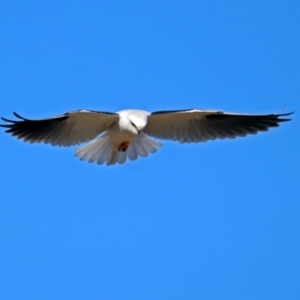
68	129
193	126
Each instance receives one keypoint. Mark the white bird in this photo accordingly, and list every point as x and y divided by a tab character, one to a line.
117	136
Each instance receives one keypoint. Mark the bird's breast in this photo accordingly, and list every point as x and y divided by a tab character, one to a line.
120	138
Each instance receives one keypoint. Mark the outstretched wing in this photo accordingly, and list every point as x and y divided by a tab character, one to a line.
68	129
193	126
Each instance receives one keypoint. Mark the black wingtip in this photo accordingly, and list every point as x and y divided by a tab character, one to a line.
11	121
18	116
284	115
6	120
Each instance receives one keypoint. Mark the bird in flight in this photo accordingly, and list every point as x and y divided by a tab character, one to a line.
116	136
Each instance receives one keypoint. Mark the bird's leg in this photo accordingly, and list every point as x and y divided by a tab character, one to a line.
123	147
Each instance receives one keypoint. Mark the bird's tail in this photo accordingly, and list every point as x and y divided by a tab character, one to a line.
102	151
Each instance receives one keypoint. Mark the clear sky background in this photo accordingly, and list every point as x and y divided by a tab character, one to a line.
215	220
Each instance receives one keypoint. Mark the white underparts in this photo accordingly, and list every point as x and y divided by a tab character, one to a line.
101	150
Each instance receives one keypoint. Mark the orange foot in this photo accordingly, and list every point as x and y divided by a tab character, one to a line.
123	147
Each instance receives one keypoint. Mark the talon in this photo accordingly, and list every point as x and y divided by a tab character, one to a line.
123	147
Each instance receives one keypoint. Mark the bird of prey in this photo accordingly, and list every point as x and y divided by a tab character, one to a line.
116	136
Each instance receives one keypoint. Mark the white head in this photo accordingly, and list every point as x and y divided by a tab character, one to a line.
133	120
137	120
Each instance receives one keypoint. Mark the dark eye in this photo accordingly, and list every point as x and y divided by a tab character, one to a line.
132	124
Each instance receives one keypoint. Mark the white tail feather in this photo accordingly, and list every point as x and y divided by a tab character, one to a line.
101	150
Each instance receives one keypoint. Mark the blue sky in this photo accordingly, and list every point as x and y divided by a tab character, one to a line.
218	220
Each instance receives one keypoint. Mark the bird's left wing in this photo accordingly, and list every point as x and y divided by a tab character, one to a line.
68	129
193	126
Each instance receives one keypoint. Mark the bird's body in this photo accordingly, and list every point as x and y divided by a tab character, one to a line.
116	136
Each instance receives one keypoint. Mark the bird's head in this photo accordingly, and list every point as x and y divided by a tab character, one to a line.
137	122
